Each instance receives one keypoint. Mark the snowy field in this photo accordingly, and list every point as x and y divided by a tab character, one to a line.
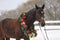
49	32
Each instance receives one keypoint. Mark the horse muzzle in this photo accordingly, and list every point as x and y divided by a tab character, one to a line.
42	22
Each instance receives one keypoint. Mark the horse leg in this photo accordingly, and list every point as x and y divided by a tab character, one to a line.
7	38
26	39
17	38
2	39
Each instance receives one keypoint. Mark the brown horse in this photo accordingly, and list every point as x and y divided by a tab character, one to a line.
10	28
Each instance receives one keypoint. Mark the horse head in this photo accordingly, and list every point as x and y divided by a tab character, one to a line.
40	14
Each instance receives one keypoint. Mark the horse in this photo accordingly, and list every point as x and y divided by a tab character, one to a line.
10	28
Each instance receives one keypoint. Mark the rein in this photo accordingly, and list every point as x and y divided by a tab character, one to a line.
44	33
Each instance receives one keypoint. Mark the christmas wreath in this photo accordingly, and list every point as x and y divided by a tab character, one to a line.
24	26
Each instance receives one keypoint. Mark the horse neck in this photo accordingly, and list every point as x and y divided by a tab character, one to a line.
31	18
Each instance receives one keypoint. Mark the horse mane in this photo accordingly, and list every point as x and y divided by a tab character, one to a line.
31	11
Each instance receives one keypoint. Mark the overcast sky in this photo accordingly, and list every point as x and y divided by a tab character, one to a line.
10	4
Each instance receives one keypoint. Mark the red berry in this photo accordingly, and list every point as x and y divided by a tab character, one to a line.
24	17
24	25
22	20
29	32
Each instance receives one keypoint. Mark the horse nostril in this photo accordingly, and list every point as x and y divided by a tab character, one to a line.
43	24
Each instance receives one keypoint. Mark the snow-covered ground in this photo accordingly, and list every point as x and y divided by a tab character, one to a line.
53	33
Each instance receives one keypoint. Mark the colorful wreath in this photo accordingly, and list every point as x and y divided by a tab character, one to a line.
24	25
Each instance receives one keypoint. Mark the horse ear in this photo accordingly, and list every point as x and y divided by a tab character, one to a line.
43	6
36	6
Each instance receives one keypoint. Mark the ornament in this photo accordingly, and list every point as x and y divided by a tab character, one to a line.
24	25
24	17
22	20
